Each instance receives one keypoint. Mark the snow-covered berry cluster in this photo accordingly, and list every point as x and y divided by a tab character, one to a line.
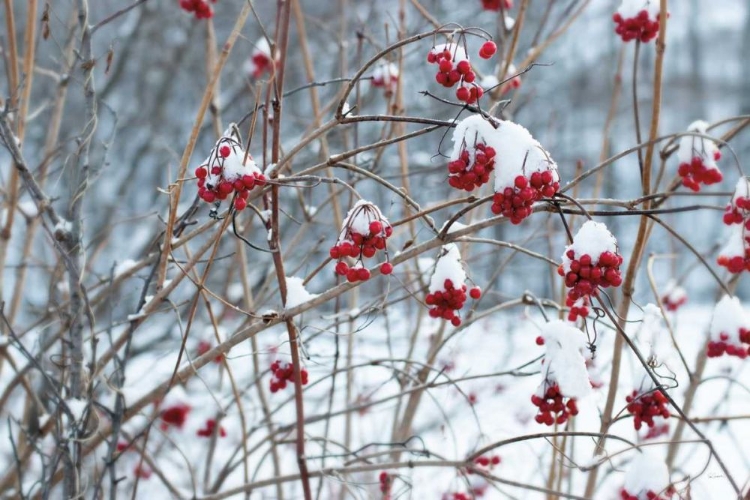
647	478
386	482
260	61
729	330
674	297
201	8
472	168
644	406
364	232
737	210
228	170
525	174
174	416
590	262
208	429
385	76
448	290
281	373
565	374
698	157
454	68
494	5
637	20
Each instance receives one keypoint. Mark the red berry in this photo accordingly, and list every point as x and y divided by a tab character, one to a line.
386	268
488	49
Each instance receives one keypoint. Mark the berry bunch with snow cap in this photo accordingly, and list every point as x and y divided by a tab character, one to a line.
385	76
447	290
647	478
201	8
674	297
472	159
637	20
566	378
525	172
365	232
228	169
646	405
590	262
698	157
494	5
260	61
737	210
281	373
729	330
735	255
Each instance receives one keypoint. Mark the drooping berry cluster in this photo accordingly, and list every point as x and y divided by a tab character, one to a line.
472	168
698	156
260	61
365	231
515	202
174	416
386	482
208	429
444	303
385	76
729	330
554	407
737	210
201	8
641	27
454	68
675	297
590	262
494	5
227	171
644	406
283	373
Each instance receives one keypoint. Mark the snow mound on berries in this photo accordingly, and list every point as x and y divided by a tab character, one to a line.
564	359
729	316
631	8
593	239
384	73
741	190
518	153
360	216
691	146
448	267
235	167
674	292
296	293
457	52
735	245
646	473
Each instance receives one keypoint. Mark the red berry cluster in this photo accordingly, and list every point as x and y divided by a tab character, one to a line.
735	264
260	62
650	495
283	374
488	461
386	482
640	27
201	8
495	4
444	303
356	245
512	84
697	172
718	348
454	68
585	276
467	174
142	471
205	346
657	431
738	208
645	406
214	185
671	303
174	416
488	49
515	202
552	407
208	429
